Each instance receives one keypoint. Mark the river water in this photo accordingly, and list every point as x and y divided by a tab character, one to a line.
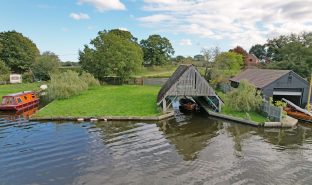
198	150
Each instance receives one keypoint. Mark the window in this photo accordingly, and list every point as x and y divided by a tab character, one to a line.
7	101
19	100
25	97
4	100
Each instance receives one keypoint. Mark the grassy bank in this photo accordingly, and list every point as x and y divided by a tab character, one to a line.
106	101
14	88
254	116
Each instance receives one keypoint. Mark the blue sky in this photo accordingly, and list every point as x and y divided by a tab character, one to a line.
63	27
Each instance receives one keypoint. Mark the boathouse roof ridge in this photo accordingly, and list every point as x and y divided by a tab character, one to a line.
260	77
173	79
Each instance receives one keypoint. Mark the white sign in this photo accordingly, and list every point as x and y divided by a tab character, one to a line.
15	78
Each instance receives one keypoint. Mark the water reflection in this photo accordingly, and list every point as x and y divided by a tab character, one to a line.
280	138
198	150
17	115
189	139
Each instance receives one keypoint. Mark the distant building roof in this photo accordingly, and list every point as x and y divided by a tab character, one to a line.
260	77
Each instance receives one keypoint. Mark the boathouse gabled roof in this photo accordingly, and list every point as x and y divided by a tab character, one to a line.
186	81
260	77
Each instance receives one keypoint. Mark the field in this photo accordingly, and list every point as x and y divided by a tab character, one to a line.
14	88
126	100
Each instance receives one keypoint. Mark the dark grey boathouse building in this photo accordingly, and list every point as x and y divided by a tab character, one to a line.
277	84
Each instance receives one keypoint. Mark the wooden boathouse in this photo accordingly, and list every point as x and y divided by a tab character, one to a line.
187	81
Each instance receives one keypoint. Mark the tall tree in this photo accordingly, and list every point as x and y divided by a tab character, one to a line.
18	51
291	52
46	63
295	56
239	50
157	50
210	55
112	52
229	61
259	51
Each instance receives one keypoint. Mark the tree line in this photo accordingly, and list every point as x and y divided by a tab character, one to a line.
291	52
118	53
111	53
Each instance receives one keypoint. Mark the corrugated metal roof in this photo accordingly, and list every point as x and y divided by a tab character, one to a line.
260	77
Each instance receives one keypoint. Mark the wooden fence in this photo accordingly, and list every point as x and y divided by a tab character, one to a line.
272	112
135	81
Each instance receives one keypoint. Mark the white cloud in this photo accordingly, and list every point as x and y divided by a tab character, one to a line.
185	42
123	29
104	5
244	23
79	16
157	18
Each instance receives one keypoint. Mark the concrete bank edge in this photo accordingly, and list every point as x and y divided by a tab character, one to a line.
106	118
255	124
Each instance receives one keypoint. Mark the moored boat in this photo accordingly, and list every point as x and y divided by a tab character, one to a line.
19	101
188	104
300	113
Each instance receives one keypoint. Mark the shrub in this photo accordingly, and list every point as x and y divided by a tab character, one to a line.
4	78
4	72
27	77
64	85
89	79
244	98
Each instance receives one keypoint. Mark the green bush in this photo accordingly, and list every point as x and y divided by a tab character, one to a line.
27	77
67	84
4	72
89	79
64	85
245	98
4	78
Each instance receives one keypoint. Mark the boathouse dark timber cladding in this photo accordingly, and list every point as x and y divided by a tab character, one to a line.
187	81
277	84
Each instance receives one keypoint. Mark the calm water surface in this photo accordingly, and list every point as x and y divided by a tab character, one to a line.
196	151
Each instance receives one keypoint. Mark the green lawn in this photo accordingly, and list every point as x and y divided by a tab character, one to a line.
126	100
14	88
